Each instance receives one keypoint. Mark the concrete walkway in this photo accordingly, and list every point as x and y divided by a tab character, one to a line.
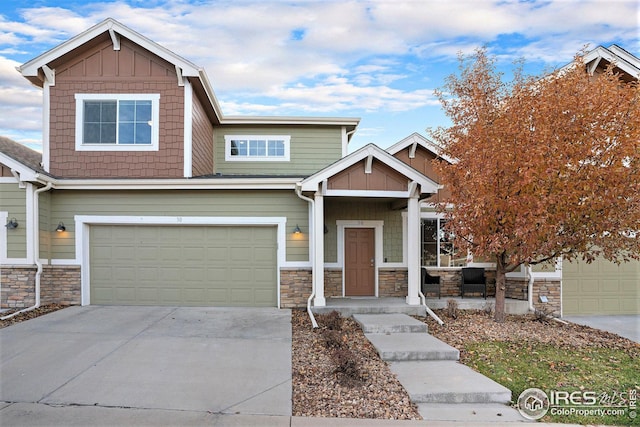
627	326
443	389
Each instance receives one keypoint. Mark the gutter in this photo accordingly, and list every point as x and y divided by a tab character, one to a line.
36	249
312	255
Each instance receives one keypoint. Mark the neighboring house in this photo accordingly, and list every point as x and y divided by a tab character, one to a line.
145	193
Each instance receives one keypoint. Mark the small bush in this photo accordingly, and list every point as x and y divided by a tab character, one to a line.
346	366
332	320
332	339
452	308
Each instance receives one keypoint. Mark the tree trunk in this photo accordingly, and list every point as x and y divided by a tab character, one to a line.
501	286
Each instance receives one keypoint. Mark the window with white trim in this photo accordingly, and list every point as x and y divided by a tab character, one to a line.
117	122
260	148
437	245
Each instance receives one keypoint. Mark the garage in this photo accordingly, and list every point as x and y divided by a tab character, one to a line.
183	265
601	287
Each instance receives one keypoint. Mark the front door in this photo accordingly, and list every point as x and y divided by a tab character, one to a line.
359	262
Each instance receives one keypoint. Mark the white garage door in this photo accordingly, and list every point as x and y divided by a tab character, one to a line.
601	287
183	265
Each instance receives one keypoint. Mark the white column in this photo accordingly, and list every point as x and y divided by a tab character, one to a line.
318	252
413	250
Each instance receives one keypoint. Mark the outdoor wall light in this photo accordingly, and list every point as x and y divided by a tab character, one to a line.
12	224
297	230
61	228
543	298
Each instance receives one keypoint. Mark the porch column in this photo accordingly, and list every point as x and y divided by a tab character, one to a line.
413	250
318	251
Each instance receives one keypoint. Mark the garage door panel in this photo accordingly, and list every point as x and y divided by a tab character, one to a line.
183	265
601	287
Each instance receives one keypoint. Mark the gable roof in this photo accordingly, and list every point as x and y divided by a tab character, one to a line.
416	139
36	71
427	186
22	159
622	59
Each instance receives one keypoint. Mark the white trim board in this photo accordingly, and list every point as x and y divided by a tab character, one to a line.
83	222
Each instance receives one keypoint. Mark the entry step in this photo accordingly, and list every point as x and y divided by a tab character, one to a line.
411	346
448	382
389	323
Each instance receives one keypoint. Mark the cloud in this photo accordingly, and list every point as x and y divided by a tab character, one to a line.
321	57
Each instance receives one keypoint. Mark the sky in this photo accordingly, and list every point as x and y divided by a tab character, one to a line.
376	60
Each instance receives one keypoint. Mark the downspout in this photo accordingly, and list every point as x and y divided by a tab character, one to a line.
429	311
530	288
312	238
36	250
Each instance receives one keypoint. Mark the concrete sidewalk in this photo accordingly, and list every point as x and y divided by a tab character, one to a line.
134	361
30	414
627	326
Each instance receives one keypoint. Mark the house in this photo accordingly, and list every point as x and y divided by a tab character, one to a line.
147	194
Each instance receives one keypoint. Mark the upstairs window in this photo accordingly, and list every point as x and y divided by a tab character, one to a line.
247	148
117	122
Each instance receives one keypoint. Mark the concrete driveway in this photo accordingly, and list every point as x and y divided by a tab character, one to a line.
205	360
627	326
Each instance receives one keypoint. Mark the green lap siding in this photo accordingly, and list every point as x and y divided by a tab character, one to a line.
311	149
13	201
65	204
183	265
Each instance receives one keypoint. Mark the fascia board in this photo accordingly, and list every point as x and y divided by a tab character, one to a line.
26	173
620	61
290	120
31	68
178	184
426	184
422	141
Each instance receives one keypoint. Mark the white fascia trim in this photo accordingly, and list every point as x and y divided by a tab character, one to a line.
83	222
378	227
188	129
367	193
180	184
289	120
619	61
417	139
26	173
108	25
427	185
8	180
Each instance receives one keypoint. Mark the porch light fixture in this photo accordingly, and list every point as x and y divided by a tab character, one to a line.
12	224
61	228
543	298
297	230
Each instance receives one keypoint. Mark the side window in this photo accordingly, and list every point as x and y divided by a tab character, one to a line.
117	122
257	148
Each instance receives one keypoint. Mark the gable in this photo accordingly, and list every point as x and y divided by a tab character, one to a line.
370	171
380	177
103	61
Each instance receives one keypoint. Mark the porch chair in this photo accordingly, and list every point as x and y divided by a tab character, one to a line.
474	280
430	283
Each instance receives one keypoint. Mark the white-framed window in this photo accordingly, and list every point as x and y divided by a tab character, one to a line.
437	248
117	122
257	148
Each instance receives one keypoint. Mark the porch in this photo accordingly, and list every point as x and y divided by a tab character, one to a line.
348	306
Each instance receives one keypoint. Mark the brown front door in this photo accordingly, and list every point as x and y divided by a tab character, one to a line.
359	262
